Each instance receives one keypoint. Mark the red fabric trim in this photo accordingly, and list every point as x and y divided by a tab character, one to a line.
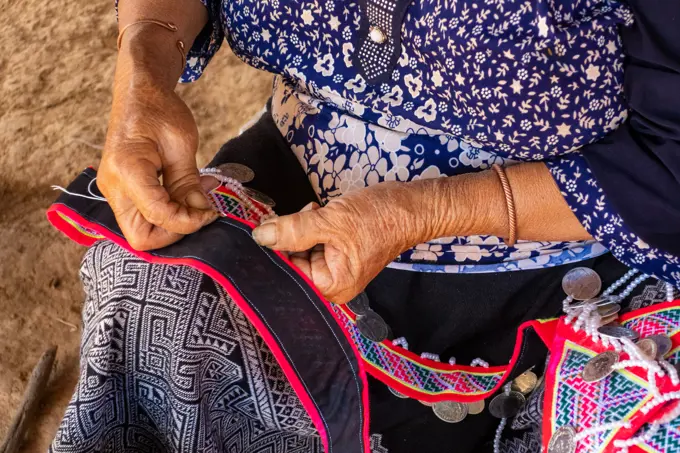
651	309
545	329
298	387
566	332
69	230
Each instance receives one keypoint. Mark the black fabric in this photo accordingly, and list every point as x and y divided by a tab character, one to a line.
320	354
375	62
277	171
465	316
461	315
638	165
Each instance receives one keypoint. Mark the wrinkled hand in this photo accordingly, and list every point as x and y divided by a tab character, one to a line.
152	132
344	245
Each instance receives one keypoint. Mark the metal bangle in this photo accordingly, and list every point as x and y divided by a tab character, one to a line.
167	25
510	202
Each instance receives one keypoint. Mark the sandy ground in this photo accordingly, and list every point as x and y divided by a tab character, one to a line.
56	67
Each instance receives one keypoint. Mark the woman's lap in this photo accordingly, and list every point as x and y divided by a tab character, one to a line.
170	364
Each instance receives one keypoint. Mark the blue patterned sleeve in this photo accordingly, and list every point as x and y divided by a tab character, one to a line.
206	44
588	201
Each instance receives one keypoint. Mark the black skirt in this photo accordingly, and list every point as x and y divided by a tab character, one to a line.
170	364
465	316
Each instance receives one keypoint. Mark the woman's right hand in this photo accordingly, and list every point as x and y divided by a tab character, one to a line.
151	133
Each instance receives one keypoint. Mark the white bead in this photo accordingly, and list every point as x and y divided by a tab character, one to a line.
430	356
377	35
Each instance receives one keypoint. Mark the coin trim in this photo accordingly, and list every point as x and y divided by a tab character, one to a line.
245	172
568	286
568	430
513	394
598	376
463	410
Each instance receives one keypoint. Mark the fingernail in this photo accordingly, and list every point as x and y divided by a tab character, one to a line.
265	234
198	200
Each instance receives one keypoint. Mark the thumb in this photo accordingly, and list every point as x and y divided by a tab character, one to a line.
293	233
182	181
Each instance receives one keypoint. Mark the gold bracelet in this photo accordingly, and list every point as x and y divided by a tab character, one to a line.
167	25
510	202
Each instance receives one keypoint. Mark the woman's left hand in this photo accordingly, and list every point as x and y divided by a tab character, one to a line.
344	245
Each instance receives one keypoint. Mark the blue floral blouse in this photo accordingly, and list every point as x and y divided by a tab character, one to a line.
388	90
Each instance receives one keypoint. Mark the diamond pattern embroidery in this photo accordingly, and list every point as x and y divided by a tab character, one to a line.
584	405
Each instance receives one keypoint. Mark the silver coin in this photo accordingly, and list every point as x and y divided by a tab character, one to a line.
476	408
239	172
507	405
663	343
582	283
600	366
649	348
359	305
608	310
563	440
259	197
618	332
609	319
425	403
450	411
372	326
525	383
397	394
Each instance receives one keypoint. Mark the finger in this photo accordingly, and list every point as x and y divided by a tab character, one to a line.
321	274
294	233
301	261
182	180
312	206
155	204
139	233
209	183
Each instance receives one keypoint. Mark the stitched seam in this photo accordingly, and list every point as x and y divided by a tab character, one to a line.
354	372
330	443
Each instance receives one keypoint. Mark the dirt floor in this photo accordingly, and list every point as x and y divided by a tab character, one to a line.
56	67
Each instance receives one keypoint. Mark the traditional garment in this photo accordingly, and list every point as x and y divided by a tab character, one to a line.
468	84
174	360
251	359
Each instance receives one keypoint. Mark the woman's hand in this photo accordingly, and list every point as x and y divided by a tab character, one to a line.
152	132
344	245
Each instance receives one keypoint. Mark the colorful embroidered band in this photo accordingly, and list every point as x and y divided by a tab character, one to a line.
510	201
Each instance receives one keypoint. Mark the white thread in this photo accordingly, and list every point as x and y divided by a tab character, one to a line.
93	196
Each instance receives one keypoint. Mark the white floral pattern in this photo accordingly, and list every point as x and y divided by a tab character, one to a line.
477	83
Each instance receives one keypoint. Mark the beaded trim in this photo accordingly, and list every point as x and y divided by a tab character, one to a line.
585	318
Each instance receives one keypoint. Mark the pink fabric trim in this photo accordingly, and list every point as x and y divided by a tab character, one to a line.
544	329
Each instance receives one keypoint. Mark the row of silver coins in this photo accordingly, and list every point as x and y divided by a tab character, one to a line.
504	405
